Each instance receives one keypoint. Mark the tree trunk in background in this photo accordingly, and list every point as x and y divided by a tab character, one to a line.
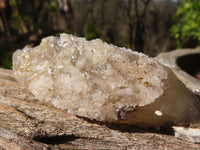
70	15
130	24
140	26
136	23
5	6
102	13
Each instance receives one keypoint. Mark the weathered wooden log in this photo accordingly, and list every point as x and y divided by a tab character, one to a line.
26	123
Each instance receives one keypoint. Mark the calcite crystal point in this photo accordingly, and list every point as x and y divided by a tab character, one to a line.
103	82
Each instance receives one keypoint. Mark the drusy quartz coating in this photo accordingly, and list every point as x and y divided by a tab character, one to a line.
103	82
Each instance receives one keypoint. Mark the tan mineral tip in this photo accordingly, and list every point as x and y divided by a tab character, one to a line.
103	82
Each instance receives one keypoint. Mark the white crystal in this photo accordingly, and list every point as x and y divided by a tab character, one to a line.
187	134
104	82
158	113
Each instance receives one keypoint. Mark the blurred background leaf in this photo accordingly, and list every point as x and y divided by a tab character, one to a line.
187	28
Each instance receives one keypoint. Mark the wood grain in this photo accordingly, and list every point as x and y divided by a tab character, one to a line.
26	123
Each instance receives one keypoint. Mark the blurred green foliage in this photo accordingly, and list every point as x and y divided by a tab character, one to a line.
15	2
53	7
107	40
7	61
15	16
92	32
188	25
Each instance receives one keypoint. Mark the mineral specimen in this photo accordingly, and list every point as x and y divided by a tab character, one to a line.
104	82
187	134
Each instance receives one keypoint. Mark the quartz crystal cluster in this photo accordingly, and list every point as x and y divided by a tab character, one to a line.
104	82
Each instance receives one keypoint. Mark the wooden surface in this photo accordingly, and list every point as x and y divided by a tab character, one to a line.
26	123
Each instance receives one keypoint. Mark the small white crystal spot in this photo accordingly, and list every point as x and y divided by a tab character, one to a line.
158	113
52	44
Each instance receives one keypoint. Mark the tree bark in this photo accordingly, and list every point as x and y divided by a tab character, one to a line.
136	26
26	123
